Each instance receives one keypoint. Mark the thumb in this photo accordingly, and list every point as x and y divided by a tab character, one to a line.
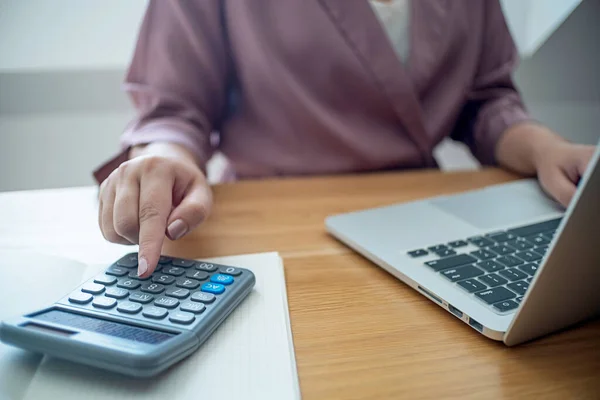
190	212
561	187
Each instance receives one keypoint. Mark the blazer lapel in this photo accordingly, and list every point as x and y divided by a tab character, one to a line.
363	32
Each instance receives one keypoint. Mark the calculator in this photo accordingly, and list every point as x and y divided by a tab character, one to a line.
120	322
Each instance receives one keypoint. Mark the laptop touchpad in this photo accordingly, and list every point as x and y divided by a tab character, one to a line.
501	205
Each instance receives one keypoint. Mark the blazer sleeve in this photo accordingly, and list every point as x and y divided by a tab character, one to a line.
177	79
494	103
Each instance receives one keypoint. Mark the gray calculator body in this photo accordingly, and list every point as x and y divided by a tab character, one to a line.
135	338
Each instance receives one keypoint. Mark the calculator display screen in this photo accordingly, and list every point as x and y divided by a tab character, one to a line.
110	328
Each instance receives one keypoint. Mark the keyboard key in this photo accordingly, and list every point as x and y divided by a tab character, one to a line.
214	288
541	250
538	240
530	269
143	298
196	308
418	253
230	271
472	285
459	274
501	237
130	284
92	288
166	302
164	260
106	280
154	312
222	279
445	253
538	262
519	287
116	293
134	275
181	317
510	261
519	244
208	267
129	308
529	230
495	295
484	254
164	279
458	243
493	280
490	266
179	262
154	288
175	271
480	241
116	271
502	249
438	247
506	305
528	280
178	293
528	256
129	261
205	298
104	302
513	274
444	263
518	299
198	275
548	235
188	283
80	298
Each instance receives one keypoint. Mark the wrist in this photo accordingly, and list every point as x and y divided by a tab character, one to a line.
164	149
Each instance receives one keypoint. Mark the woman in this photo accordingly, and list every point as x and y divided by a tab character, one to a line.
310	87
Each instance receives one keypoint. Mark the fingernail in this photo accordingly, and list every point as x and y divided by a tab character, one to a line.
177	229
142	266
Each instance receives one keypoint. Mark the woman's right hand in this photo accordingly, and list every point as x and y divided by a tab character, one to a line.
156	193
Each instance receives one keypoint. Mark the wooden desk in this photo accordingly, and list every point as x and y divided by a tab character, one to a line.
358	332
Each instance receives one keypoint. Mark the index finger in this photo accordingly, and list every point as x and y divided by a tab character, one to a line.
155	205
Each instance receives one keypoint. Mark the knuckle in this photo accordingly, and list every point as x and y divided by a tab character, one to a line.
153	164
148	211
127	225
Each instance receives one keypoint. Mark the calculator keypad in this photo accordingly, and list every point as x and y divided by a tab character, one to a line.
179	292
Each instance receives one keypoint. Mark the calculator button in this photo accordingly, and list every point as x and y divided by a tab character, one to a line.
196	308
206	267
129	307
214	288
105	280
134	275
116	293
187	283
178	293
164	259
92	288
154	312
80	298
141	297
230	271
129	284
175	271
164	279
104	302
180	262
166	302
152	288
180	317
116	271
222	279
199	275
129	261
205	298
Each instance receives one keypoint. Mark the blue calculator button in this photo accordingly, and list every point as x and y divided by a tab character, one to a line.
222	279
215	288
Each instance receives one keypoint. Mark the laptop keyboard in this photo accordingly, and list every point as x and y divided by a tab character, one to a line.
498	272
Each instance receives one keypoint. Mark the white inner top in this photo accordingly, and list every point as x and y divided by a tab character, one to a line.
394	15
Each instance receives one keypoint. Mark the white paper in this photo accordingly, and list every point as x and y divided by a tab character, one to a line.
249	357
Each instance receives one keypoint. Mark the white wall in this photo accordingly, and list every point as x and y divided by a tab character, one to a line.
62	63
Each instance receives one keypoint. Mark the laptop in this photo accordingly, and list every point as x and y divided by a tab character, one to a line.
506	259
